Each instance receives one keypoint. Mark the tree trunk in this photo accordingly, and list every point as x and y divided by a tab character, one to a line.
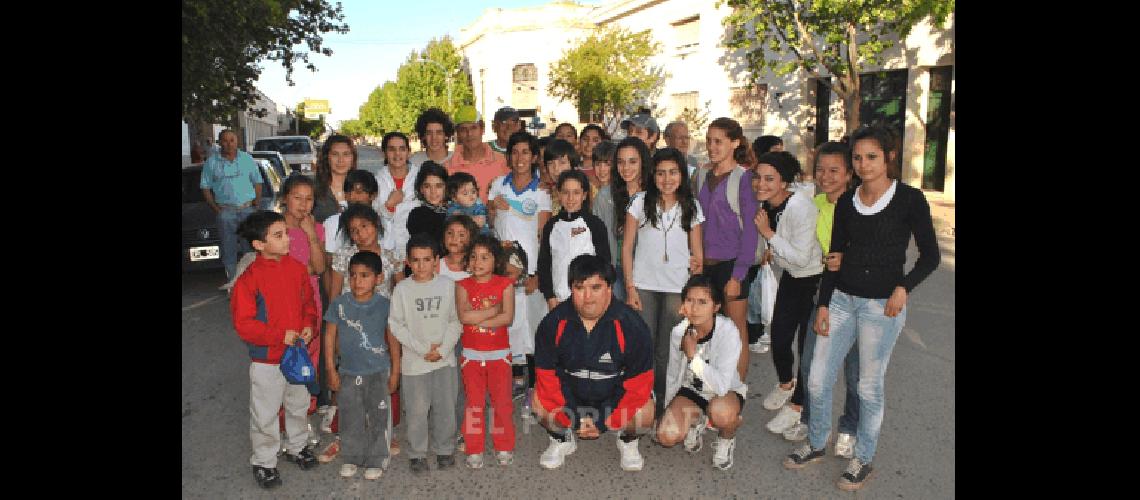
851	105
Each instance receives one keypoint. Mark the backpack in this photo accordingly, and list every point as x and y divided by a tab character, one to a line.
733	195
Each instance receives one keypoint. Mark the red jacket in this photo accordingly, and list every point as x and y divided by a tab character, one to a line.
271	296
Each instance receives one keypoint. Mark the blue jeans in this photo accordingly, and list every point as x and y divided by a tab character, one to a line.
228	220
853	318
849	421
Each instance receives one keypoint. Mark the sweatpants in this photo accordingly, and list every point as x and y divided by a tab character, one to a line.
268	391
794	300
479	379
365	423
659	310
429	400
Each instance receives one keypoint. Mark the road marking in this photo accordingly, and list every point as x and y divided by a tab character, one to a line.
914	337
201	303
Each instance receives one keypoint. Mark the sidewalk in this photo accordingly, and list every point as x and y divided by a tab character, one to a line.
942	211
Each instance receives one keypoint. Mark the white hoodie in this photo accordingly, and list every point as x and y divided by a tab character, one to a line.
714	363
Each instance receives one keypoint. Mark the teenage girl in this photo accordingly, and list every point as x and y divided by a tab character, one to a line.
337	158
573	232
630	169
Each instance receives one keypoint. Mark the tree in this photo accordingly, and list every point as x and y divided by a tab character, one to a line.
608	72
309	127
352	128
838	37
223	42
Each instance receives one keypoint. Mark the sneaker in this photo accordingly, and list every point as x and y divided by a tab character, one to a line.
803	456
444	462
759	347
784	420
330	453
722	454
474	461
556	453
266	477
694	439
304	458
327	418
845	445
797	432
855	476
419	465
460	445
505	457
630	456
347	470
394	448
373	473
779	397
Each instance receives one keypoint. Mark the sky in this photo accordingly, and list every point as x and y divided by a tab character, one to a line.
381	35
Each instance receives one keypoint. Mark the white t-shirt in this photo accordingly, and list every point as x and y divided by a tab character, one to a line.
332	243
520	223
420	157
651	271
451	275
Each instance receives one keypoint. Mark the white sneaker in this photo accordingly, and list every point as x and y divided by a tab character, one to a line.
760	346
555	454
779	397
505	457
722	455
784	420
845	445
796	432
475	461
347	470
327	419
630	456
694	439
373	473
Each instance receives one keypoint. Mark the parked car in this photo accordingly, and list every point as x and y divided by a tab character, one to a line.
300	151
201	239
279	164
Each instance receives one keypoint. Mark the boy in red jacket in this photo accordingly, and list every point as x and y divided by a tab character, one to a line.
271	306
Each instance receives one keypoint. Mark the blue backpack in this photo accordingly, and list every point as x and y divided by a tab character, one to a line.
296	365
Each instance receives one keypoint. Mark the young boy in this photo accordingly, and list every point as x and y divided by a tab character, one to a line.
425	322
356	325
270	302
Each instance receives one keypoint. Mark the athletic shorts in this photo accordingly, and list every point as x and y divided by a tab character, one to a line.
722	272
701	402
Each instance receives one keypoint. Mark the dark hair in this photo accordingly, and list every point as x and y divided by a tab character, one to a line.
784	162
363	177
584	266
367	258
434	115
357	211
742	155
579	176
604	151
464	220
292	182
493	245
456	181
764	143
531	142
566	124
422	240
256	225
703	281
324	170
543	142
684	190
887	141
559	148
593	126
430	168
618	189
388	138
843	151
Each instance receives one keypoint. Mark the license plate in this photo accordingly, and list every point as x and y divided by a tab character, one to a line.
203	253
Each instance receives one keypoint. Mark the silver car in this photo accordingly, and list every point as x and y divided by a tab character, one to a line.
300	151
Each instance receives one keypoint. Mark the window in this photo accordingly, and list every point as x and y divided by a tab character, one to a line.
524	88
686	33
748	104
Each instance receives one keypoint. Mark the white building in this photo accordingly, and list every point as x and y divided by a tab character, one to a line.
915	91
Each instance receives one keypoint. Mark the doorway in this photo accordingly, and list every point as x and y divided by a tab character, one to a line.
937	129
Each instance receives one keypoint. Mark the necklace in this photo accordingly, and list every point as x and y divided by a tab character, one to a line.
671	223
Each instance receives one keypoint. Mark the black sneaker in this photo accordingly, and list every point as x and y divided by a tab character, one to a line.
266	477
855	476
444	461
419	465
305	459
803	456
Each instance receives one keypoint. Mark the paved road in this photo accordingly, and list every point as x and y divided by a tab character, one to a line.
915	456
369	158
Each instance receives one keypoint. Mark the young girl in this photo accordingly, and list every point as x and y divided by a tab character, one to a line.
730	227
866	298
306	239
396	195
336	159
629	171
664	224
592	135
786	221
485	303
559	156
702	381
431	182
759	341
458	230
573	232
463	191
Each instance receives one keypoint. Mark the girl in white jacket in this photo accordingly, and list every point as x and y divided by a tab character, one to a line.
702	383
397	193
572	232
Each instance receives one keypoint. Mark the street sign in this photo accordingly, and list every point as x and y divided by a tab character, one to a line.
316	107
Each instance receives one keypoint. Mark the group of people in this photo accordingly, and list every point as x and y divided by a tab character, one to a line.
606	285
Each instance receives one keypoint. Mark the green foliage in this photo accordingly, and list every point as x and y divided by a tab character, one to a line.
352	128
607	72
305	126
223	42
695	118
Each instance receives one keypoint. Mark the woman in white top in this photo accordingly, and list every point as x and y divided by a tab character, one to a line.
702	382
664	224
396	196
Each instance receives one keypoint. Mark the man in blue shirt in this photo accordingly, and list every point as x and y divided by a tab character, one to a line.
231	185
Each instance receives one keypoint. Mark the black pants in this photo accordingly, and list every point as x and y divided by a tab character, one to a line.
794	300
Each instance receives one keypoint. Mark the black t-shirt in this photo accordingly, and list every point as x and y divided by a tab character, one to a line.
774	212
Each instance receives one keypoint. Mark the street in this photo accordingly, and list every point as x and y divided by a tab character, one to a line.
915	457
369	158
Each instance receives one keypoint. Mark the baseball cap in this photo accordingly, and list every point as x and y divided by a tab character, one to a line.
506	113
466	113
642	120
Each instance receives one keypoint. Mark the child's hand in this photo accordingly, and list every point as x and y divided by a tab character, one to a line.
309	225
433	354
334	380
500	203
290	337
307	334
695	265
531	284
689	342
393	382
480	220
395	198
